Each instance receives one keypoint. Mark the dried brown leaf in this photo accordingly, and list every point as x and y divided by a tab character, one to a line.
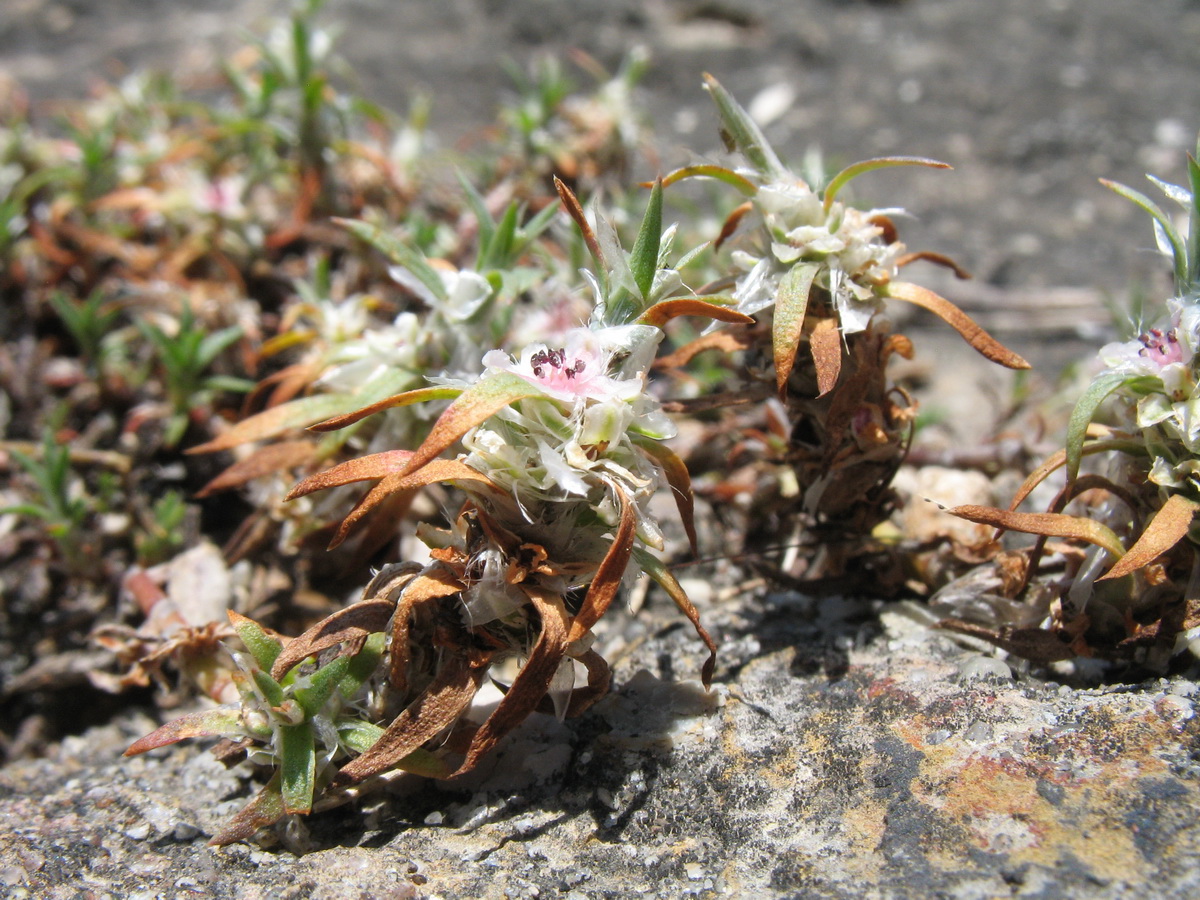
266	460
662	312
680	480
437	707
970	330
826	346
350	626
1168	527
607	581
531	683
1048	524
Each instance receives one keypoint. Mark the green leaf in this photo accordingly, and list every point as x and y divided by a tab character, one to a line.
398	252
359	736
1178	251
262	647
297	767
1081	417
321	685
362	666
791	306
1193	250
211	346
741	129
842	178
643	259
720	173
271	689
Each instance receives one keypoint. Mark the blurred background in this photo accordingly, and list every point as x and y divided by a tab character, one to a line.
1030	100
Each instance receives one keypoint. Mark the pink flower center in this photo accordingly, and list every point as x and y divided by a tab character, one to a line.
1162	348
556	362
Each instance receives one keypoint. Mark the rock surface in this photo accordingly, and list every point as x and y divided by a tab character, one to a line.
832	760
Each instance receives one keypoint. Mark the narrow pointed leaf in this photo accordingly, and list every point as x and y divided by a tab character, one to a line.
268	460
1081	417
1178	251
720	173
842	178
679	479
406	398
1168	527
297	767
746	135
473	406
398	252
206	723
825	344
598	684
432	584
1193	247
571	204
322	684
270	422
364	468
607	581
729	226
1058	459
971	331
265	809
643	259
654	567
787	327
434	472
262	646
665	310
1048	524
271	690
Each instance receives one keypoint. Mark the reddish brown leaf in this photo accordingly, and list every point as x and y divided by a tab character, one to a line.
531	683
205	723
405	398
1048	524
270	422
938	259
971	331
364	468
1168	527
725	341
265	809
1057	460
437	471
787	324
436	708
680	481
571	204
433	583
731	223
826	346
654	567
662	312
351	626
266	460
607	581
598	683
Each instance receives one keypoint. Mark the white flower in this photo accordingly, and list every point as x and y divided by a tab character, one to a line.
466	290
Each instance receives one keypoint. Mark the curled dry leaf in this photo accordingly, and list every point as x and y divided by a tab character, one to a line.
970	330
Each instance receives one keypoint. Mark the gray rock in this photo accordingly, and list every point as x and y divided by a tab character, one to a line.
890	776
